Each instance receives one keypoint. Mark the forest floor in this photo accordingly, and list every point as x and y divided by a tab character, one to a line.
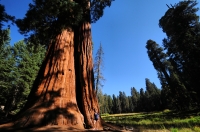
164	121
106	128
8	128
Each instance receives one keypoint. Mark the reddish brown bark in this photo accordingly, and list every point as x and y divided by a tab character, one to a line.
63	93
52	100
85	76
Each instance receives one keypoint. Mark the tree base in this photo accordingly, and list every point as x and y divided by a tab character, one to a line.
68	116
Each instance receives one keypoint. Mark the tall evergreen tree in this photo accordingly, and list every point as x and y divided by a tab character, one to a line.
6	61
116	104
6	68
110	105
169	78
64	87
135	98
123	102
28	59
131	106
181	24
154	101
101	100
141	105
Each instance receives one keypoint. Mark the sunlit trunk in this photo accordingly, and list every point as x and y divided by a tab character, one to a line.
52	100
86	95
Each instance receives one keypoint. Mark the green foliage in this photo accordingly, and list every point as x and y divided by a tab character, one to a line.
105	102
123	102
97	7
5	58
18	72
46	19
28	59
135	97
177	62
137	102
153	101
4	17
181	24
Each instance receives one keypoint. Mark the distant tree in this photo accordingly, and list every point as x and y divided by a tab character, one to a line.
98	66
123	102
110	105
101	100
141	105
135	98
131	106
154	102
116	104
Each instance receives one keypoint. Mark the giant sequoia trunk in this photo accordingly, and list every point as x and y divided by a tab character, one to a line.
52	100
86	95
63	93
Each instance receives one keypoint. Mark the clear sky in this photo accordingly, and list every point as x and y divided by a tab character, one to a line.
123	32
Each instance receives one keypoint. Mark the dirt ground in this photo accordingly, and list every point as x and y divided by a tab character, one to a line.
107	127
6	128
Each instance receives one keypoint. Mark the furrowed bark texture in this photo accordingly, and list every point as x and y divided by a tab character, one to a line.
52	100
86	95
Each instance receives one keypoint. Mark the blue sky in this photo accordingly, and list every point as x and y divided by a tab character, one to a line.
123	32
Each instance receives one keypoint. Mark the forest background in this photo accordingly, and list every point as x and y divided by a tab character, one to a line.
139	90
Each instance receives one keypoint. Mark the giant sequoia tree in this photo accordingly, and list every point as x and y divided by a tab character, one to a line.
182	27
63	92
179	67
